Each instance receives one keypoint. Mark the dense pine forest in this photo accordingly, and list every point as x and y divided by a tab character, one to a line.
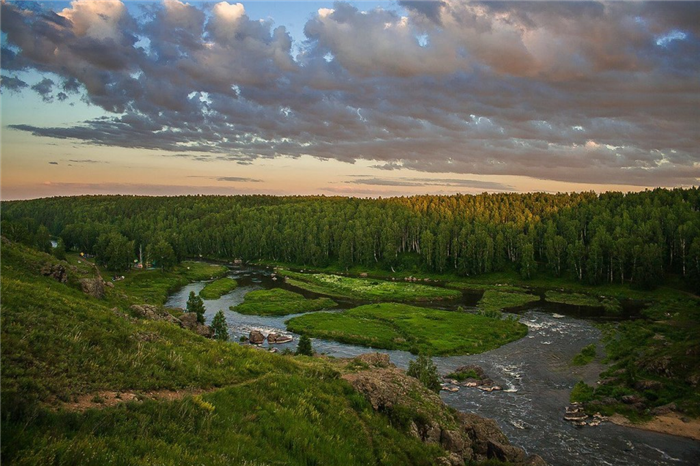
637	238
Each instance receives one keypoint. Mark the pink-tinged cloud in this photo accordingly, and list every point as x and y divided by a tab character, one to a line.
569	91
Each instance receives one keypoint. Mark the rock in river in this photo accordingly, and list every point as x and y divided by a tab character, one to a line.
256	337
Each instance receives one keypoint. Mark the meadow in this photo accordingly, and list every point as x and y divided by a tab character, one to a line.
410	328
367	288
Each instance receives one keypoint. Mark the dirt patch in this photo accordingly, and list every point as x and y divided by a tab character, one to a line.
106	399
673	424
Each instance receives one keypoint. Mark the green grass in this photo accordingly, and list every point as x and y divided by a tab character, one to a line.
410	328
154	286
279	419
656	359
218	288
494	301
587	354
573	299
368	289
58	344
581	393
280	302
484	287
462	376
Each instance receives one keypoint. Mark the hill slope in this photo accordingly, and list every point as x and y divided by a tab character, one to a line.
191	400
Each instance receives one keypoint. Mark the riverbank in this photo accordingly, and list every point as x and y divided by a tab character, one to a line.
672	424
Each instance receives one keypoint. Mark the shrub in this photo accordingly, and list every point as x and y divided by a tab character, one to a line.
304	347
424	370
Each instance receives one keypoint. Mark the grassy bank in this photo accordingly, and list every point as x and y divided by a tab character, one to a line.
280	302
586	356
494	301
218	288
257	408
573	299
154	286
367	289
410	328
652	362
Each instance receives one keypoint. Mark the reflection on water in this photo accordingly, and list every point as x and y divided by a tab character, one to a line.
534	372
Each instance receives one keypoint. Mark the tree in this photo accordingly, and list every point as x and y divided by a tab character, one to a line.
304	347
218	325
196	305
162	254
424	370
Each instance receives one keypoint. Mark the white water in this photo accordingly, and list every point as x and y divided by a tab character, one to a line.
533	371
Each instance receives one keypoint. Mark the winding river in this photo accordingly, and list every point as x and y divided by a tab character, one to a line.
534	372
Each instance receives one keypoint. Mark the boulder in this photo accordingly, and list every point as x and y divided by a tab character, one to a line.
189	321
256	337
93	286
148	311
632	399
277	338
643	385
665	409
505	453
55	271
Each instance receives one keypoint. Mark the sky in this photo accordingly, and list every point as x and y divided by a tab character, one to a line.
364	98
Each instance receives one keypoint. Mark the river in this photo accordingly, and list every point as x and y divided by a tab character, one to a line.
535	371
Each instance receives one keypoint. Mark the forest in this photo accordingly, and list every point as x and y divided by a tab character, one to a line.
637	238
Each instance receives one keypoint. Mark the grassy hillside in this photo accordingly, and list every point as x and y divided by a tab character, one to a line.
59	345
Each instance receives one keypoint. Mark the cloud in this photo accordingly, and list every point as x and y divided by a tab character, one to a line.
90	161
494	88
458	183
44	89
230	179
12	84
53	163
238	179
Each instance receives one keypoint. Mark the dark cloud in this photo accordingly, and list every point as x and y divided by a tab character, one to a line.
238	179
570	91
53	163
430	8
12	84
44	89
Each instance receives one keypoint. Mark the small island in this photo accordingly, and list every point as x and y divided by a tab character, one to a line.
410	328
280	302
218	288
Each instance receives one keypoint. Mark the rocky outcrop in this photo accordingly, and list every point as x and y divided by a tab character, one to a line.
374	360
256	337
148	311
56	271
464	437
189	321
93	286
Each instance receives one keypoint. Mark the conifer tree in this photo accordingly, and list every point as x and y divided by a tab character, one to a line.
196	305
218	325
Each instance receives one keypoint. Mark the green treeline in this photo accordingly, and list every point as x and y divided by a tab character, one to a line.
633	238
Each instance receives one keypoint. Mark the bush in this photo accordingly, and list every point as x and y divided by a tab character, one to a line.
304	347
424	370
